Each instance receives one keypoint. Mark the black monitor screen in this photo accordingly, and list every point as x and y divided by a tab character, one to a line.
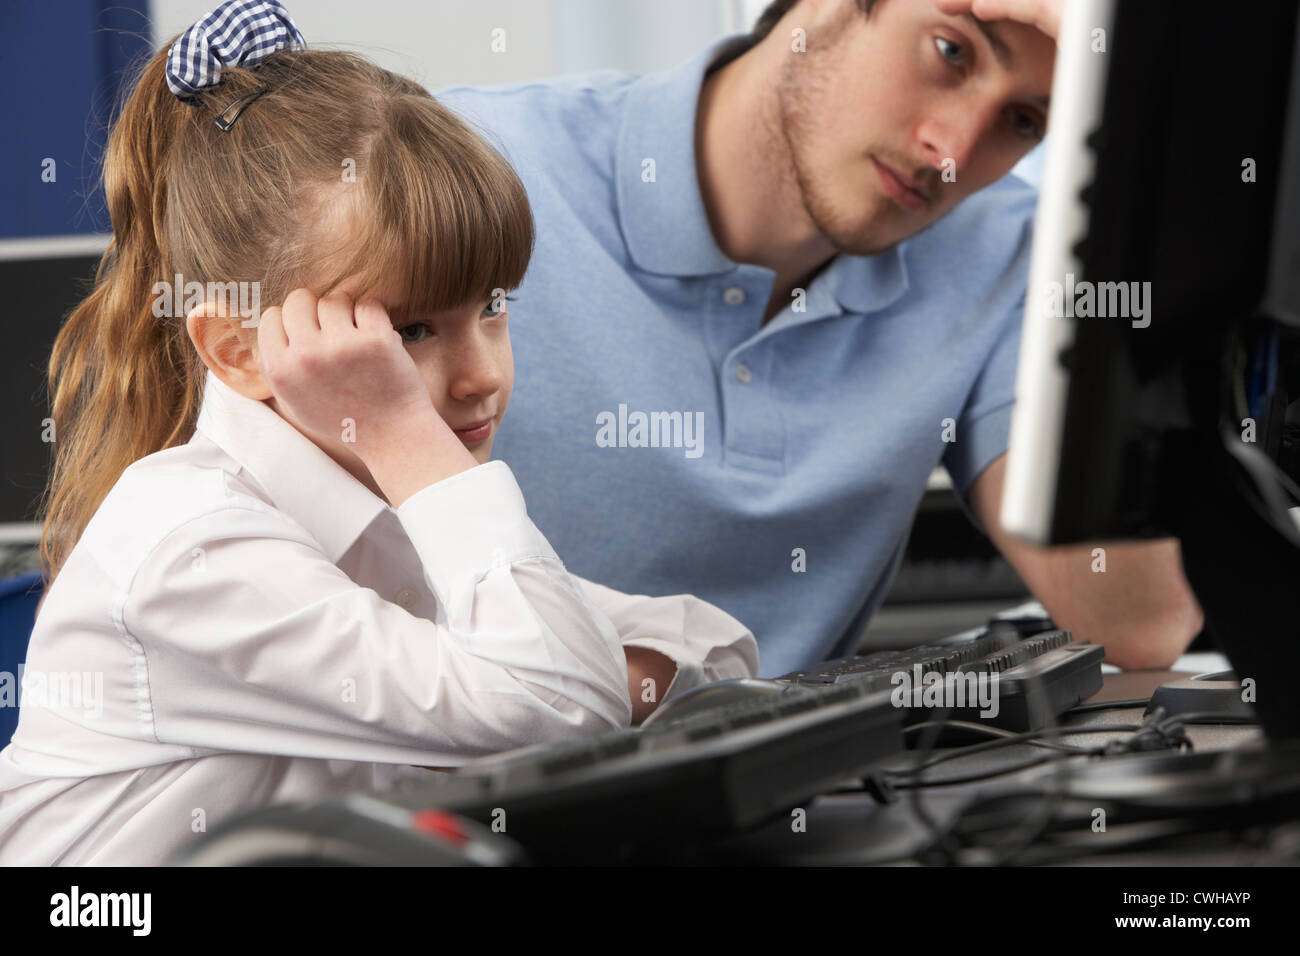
40	292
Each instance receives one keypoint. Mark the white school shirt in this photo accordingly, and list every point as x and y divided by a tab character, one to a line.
244	623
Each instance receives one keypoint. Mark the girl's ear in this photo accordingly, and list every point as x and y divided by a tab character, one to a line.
227	345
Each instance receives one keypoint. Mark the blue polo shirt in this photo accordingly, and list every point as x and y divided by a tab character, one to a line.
666	441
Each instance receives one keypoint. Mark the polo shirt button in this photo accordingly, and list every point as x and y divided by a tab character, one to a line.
734	296
742	374
406	598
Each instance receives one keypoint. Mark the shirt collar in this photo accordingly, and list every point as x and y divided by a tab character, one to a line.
867	284
664	222
300	479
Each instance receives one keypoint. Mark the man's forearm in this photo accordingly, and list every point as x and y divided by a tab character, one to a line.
1130	596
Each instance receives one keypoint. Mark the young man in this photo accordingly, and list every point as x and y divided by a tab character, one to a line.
773	288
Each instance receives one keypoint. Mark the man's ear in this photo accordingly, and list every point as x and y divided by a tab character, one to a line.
228	348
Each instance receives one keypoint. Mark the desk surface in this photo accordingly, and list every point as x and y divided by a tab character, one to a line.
854	829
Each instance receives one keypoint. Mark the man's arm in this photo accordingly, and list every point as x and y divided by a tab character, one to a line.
1141	607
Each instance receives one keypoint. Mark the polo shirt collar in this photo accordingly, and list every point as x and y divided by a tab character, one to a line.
867	284
665	226
300	479
664	223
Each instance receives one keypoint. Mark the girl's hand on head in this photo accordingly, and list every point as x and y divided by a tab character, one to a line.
339	369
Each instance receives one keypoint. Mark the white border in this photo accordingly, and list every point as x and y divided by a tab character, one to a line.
1038	420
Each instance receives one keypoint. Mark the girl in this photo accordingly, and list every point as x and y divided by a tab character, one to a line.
281	563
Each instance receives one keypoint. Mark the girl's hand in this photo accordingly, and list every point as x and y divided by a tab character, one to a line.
643	663
342	372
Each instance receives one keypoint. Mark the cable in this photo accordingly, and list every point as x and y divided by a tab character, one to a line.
1237	375
1159	731
1026	737
1005	738
1210	717
973	778
941	841
993	732
1203	806
1271	361
1000	812
938	836
1107	705
924	749
1265	477
1037	822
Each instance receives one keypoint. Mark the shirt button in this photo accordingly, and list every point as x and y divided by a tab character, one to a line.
742	374
734	296
406	598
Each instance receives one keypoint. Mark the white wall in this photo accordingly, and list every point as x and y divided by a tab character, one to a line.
444	42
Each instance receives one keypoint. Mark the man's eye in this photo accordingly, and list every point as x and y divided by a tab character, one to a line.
1025	125
414	327
950	51
493	308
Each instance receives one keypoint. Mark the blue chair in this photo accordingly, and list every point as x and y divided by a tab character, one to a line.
18	599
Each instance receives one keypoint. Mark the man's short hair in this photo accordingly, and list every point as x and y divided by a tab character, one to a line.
779	8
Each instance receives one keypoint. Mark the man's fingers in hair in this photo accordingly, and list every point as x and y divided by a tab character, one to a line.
1045	15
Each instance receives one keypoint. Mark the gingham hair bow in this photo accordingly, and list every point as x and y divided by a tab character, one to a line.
237	33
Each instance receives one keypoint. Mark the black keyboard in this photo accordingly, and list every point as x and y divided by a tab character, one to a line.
1040	673
714	771
712	774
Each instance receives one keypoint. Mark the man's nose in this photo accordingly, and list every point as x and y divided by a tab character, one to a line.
949	139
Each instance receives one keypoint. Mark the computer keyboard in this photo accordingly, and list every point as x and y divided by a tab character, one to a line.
703	772
1040	673
707	774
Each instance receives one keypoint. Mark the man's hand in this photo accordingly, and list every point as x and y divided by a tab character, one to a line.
1140	607
1045	15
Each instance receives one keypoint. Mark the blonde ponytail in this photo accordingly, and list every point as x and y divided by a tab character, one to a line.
123	384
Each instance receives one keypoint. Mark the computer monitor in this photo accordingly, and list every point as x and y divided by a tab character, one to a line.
1158	357
43	279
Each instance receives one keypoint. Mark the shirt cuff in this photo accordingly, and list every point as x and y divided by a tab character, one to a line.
465	525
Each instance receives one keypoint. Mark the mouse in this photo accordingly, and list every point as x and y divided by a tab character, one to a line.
1218	694
706	697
